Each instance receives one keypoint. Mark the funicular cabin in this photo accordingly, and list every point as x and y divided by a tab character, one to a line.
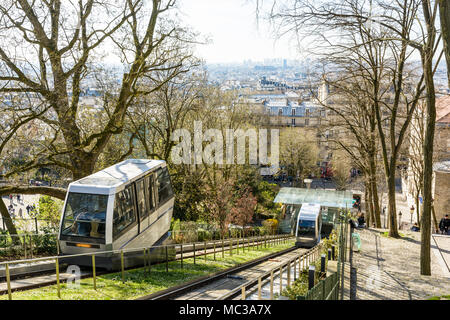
330	202
308	226
126	206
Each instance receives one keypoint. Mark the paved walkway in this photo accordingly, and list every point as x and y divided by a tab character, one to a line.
389	269
442	251
20	211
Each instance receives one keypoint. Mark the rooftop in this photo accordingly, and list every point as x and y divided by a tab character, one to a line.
326	198
443	166
443	109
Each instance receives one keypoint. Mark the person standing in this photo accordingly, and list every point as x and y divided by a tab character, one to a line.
444	224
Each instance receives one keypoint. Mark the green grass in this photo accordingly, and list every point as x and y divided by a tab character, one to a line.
386	234
138	282
445	297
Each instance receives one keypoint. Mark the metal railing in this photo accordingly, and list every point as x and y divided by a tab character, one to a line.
27	245
324	289
290	267
34	223
328	288
184	251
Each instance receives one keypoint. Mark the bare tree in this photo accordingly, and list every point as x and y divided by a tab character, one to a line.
155	117
52	49
444	9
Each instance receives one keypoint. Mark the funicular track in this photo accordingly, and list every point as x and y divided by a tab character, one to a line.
227	284
47	277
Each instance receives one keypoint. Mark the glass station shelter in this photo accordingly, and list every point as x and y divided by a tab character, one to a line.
330	201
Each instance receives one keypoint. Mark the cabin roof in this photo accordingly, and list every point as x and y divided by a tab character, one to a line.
309	211
326	198
118	174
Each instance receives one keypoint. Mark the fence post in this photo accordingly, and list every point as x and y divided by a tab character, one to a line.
311	274
145	258
259	288
167	260
271	285
281	280
93	270
231	247
205	250
323	290
57	278
8	282
122	266
194	251
223	249
243	296
31	246
322	263
181	249
288	274
36	225
214	250
295	269
149	262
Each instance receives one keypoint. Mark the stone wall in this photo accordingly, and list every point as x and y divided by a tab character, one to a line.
441	194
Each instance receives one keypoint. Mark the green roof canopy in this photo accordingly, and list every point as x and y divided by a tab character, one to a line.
326	198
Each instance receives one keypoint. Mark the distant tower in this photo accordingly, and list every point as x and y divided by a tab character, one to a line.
324	90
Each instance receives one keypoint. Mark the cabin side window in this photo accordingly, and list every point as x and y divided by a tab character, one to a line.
141	198
150	184
124	211
164	186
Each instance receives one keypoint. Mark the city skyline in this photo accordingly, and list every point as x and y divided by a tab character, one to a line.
235	32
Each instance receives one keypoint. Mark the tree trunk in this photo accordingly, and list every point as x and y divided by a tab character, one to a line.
8	221
418	210
444	8
374	188
427	63
376	202
392	213
436	226
367	203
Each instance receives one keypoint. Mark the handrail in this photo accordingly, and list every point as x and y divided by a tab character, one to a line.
121	250
265	275
259	241
342	241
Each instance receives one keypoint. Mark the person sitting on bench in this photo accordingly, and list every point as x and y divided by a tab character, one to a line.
361	221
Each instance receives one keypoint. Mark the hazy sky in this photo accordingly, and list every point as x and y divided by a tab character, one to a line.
233	29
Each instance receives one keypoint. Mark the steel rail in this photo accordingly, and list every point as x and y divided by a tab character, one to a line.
200	250
252	283
179	290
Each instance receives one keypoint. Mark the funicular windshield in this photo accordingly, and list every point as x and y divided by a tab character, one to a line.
85	215
306	229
